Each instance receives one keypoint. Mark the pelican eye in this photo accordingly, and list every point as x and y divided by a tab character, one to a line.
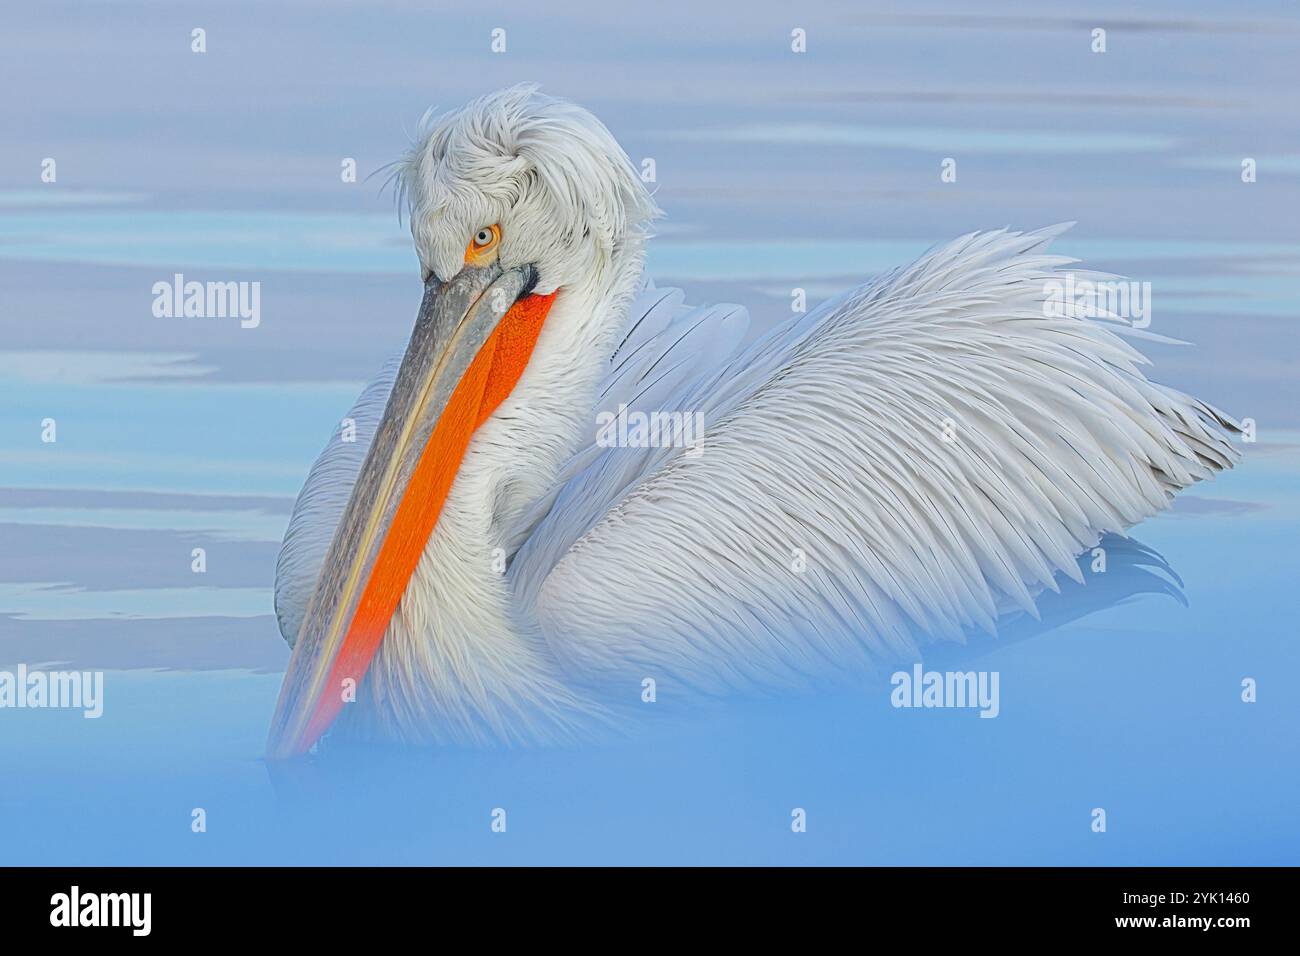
484	241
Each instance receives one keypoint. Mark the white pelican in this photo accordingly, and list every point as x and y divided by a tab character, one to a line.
898	466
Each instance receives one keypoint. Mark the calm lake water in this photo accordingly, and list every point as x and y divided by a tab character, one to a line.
777	170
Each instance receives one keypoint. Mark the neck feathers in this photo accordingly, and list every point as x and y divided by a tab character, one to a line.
458	664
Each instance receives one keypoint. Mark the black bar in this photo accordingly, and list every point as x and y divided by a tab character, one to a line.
331	906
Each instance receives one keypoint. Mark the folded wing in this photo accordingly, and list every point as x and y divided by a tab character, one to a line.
900	465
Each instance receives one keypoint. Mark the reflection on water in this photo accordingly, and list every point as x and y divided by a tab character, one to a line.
376	243
929	139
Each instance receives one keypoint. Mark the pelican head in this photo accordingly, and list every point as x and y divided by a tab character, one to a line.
544	172
528	221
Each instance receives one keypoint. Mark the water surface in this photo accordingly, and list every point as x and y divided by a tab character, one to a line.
777	172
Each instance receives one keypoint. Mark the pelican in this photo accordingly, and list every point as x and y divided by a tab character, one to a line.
493	558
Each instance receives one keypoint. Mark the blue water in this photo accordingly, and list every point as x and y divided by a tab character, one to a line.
776	173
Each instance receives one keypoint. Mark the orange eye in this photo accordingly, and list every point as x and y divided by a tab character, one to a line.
484	241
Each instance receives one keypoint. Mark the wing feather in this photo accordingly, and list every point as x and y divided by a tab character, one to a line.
898	466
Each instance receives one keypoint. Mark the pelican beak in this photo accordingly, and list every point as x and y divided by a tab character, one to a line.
472	340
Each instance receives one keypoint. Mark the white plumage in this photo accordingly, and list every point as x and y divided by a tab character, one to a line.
905	463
